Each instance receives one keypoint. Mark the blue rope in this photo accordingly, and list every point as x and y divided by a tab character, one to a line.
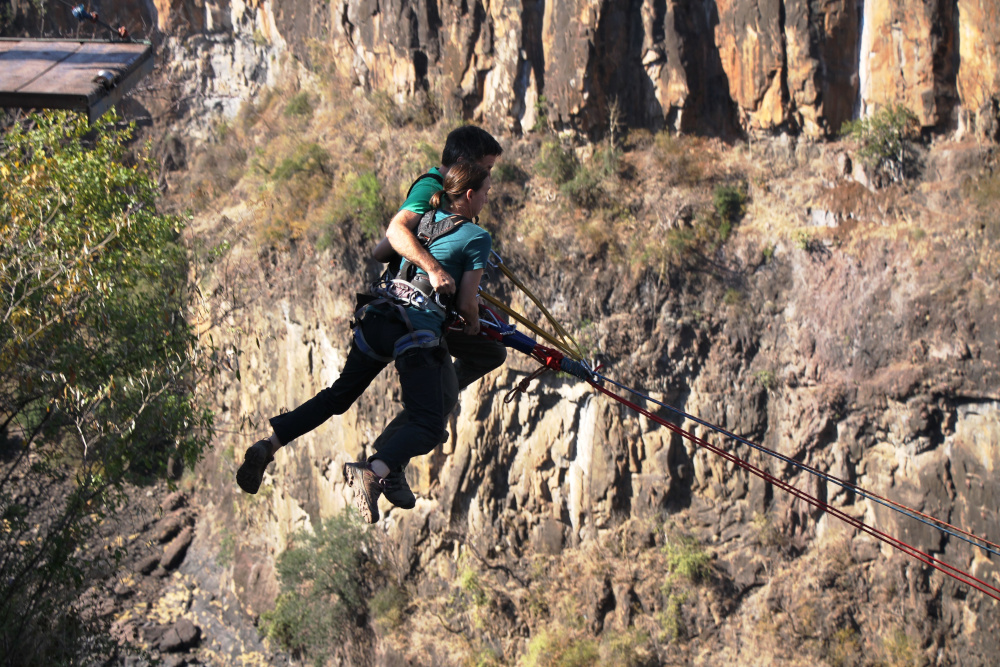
848	487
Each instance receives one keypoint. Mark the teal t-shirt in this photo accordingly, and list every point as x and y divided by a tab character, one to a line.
465	249
419	200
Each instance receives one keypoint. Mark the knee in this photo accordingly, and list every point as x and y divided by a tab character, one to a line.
434	431
499	357
492	357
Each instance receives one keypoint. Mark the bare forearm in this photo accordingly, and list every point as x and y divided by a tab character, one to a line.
469	310
468	300
405	243
403	239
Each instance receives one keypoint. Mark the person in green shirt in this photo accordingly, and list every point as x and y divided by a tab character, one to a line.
474	355
411	338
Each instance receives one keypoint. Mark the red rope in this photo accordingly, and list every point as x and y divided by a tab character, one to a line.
909	550
865	492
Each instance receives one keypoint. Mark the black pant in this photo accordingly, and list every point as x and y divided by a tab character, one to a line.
428	386
475	356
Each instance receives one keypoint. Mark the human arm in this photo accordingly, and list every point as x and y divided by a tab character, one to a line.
401	237
383	252
467	303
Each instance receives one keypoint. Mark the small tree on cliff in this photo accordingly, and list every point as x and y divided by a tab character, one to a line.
97	366
884	140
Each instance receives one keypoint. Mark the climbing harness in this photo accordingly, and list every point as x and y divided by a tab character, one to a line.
419	338
568	359
404	286
408	289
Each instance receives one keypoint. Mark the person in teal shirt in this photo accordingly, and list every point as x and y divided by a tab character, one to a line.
474	355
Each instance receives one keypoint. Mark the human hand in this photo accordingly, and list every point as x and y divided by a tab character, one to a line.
441	281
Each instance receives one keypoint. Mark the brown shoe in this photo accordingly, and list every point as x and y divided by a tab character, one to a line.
251	473
367	488
397	491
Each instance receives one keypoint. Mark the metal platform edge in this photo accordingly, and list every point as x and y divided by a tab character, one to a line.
94	105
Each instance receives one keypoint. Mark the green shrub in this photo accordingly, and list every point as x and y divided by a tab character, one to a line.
556	163
364	203
729	202
844	648
562	649
322	595
506	171
468	581
590	184
307	159
885	141
626	649
681	242
541	114
671	619
732	297
900	649
687	558
766	379
299	105
388	605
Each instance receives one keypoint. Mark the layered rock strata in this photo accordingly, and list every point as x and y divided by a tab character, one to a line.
711	66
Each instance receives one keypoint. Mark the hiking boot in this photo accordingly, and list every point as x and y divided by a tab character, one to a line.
367	488
251	473
397	491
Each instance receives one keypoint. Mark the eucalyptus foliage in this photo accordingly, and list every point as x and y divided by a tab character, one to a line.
97	369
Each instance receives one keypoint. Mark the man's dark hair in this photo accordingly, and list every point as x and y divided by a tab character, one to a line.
469	144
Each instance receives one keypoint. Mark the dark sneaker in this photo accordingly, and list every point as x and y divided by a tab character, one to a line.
397	491
251	473
367	488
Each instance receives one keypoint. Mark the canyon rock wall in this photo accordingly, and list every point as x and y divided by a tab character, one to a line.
710	66
866	363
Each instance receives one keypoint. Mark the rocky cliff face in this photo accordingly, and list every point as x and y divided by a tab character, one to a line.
713	66
869	360
862	358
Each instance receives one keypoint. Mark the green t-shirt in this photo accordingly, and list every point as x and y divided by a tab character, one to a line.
420	196
465	249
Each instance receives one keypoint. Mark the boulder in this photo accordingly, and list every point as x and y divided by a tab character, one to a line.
174	552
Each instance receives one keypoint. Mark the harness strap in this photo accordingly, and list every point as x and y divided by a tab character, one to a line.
430	229
421	338
362	344
436	177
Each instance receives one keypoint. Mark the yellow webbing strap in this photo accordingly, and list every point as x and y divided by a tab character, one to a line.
560	331
570	349
526	322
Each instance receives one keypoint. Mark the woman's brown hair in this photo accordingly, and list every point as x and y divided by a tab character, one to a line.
461	178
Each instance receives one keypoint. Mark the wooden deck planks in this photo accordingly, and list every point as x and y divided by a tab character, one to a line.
75	74
61	73
23	61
